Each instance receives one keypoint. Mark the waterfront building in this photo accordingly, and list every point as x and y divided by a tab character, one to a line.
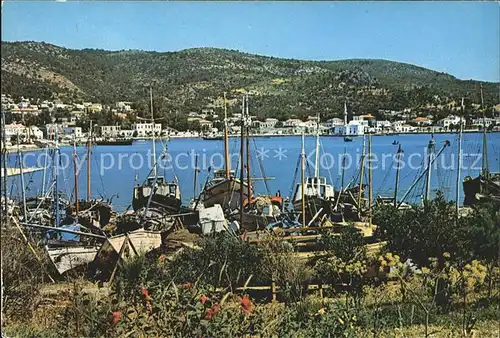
73	131
357	126
146	129
109	131
15	129
449	120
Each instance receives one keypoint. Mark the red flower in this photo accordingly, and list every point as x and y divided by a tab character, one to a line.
145	293
162	258
212	311
203	299
187	285
209	314
246	305
116	317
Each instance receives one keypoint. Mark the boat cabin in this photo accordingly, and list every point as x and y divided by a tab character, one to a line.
220	175
162	187
326	191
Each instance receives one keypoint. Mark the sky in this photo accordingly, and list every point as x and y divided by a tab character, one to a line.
460	38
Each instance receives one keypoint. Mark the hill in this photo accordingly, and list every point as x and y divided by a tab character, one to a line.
192	79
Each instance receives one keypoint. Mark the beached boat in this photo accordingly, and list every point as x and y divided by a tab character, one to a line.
156	191
485	186
225	188
313	195
67	257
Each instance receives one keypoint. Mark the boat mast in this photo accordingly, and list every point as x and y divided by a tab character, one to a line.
247	120
195	174
56	169
4	167
75	166
227	164
316	164
446	144
242	151
398	158
459	165
303	183
430	152
153	127
89	145
370	178
44	176
21	168
485	165
361	175
343	171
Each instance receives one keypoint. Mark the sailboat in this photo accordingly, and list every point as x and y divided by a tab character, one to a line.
65	248
257	212
156	192
225	189
315	191
485	186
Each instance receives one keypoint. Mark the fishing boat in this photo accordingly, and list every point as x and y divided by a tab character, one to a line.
393	200
64	245
313	195
67	252
225	188
156	191
485	186
261	212
213	137
114	142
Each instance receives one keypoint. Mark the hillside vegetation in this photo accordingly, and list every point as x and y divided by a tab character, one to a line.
194	78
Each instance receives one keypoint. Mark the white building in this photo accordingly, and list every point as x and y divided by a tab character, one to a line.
384	124
123	106
404	128
268	123
354	128
22	131
450	120
146	129
292	123
50	130
73	131
330	123
485	122
109	131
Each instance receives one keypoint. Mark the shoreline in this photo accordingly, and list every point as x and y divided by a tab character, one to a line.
32	147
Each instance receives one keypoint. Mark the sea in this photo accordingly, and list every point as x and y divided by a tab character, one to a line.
275	165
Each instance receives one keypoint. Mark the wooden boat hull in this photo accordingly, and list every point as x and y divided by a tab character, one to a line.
313	205
66	258
252	222
170	203
226	193
479	186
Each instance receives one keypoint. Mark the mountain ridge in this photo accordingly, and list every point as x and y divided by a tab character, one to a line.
190	79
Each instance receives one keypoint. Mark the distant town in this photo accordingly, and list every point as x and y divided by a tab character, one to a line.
32	121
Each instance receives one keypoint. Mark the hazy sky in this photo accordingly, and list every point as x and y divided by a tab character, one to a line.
461	38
